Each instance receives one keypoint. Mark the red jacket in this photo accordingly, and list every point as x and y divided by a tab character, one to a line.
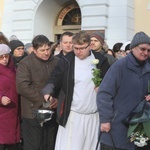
9	114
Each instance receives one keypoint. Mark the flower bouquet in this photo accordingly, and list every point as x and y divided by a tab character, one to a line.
96	74
139	133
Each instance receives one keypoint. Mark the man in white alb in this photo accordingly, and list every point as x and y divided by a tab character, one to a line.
77	111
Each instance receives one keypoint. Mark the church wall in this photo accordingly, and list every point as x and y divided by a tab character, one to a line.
119	19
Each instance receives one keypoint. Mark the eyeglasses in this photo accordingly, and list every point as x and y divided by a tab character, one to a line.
143	49
81	48
4	56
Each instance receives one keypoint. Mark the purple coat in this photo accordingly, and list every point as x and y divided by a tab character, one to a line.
9	116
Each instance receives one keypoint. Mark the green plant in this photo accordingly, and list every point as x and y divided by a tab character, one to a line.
138	135
96	74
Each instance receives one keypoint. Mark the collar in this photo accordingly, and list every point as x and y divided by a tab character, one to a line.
141	63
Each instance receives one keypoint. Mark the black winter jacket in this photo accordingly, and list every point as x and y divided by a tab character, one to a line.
62	80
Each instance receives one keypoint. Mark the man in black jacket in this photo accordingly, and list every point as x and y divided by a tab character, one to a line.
77	110
99	45
65	43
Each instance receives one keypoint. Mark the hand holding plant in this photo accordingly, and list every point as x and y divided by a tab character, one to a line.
96	74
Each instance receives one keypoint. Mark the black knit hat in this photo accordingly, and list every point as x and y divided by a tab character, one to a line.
14	44
139	38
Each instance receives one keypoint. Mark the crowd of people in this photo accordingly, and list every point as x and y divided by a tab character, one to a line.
57	76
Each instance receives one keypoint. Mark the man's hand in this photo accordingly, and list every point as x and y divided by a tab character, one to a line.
46	97
147	97
105	127
53	102
96	89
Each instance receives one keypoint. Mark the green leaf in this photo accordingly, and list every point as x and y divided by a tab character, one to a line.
146	126
132	129
96	76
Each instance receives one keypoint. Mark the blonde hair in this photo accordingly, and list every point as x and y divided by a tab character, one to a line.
81	38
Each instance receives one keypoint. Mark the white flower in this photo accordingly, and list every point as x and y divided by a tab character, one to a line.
95	61
142	140
140	144
139	136
96	72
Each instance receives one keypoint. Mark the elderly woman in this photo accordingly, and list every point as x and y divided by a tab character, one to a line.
9	118
124	86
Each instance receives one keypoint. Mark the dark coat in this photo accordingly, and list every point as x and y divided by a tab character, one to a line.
9	117
123	87
111	59
63	78
60	54
32	74
16	60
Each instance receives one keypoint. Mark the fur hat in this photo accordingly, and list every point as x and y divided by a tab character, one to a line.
4	49
14	44
99	36
139	38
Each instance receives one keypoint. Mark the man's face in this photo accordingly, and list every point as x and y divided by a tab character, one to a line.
95	44
81	51
43	52
66	44
141	52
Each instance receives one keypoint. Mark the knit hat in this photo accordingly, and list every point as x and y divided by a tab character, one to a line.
99	36
139	38
4	49
14	44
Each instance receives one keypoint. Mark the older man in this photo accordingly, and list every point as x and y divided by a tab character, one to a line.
123	87
32	73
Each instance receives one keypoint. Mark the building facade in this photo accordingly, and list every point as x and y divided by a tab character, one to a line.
27	18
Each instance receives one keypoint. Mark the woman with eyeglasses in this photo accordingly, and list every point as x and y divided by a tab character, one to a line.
9	118
123	87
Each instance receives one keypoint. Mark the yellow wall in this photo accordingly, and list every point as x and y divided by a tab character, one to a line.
1	12
142	16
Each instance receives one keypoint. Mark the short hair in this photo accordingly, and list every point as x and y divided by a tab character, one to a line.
81	38
39	41
66	33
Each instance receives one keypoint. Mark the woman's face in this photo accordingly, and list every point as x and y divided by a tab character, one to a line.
4	59
19	51
141	52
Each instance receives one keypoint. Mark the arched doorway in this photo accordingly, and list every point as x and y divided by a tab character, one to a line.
69	19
